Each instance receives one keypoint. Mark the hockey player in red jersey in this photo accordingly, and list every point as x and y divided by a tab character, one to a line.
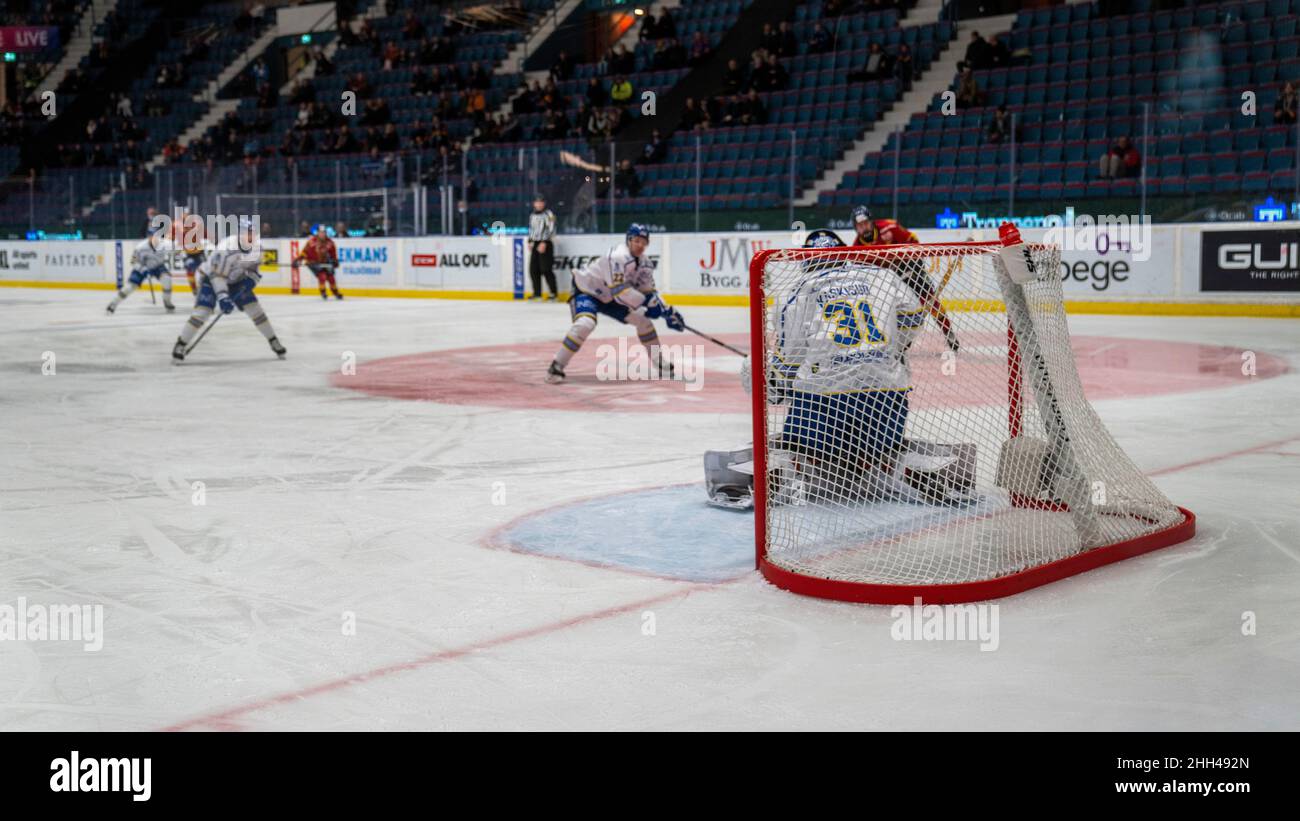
322	258
879	232
870	231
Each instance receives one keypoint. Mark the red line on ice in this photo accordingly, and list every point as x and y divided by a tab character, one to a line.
224	719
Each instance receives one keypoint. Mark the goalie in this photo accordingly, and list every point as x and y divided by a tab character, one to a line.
838	363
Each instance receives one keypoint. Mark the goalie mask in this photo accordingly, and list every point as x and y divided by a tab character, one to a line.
822	238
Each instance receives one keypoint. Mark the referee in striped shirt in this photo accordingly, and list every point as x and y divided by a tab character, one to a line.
541	231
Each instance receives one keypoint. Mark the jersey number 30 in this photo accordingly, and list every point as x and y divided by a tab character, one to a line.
849	319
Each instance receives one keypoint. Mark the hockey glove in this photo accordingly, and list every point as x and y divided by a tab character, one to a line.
674	319
225	303
654	306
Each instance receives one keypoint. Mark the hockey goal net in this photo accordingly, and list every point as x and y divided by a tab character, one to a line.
921	430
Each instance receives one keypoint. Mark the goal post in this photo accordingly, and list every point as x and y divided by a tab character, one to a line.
894	464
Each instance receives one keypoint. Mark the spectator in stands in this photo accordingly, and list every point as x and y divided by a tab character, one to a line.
324	65
562	69
367	36
692	115
757	76
667	25
904	67
999	54
751	110
878	66
478	78
393	55
733	79
834	8
620	91
977	53
1284	110
621	61
149	214
552	99
778	79
769	40
969	94
359	85
261	72
821	41
1000	127
596	94
421	85
344	142
476	104
554	127
649	27
509	130
626	181
715	112
700	48
786	44
412	28
389	140
597	126
1123	160
376	112
654	150
302	92
446	105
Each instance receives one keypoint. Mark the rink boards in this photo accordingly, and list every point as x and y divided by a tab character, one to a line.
1246	269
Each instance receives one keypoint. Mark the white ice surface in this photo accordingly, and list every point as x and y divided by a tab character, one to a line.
322	502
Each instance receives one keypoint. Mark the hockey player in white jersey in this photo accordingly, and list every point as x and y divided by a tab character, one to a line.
151	258
621	285
226	282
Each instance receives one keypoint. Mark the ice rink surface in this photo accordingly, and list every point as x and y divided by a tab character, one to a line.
381	506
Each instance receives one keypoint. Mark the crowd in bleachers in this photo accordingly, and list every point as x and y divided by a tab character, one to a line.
1100	96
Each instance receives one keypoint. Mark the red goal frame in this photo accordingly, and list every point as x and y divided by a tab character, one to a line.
869	593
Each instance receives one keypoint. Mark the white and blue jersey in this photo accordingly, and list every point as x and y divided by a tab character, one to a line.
150	258
230	268
614	285
842	336
617	277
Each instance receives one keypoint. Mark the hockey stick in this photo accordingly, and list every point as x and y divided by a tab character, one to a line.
203	333
935	308
718	342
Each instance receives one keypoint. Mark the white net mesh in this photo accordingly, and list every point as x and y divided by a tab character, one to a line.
915	440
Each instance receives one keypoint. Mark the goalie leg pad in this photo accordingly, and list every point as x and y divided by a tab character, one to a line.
729	478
